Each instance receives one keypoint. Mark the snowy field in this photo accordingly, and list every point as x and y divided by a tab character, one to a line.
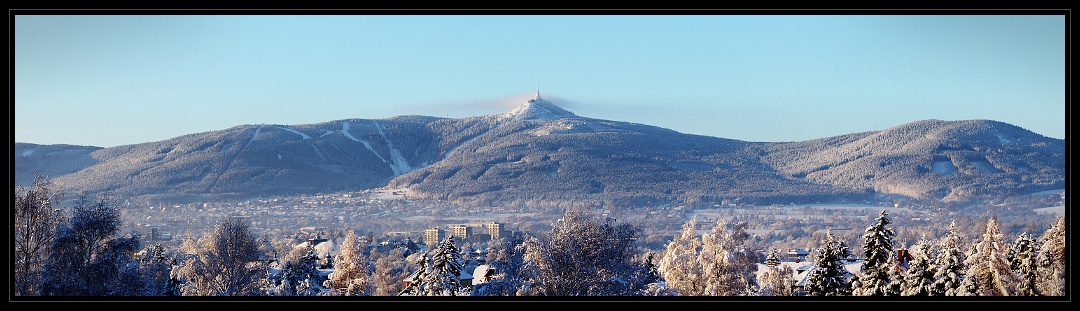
390	194
1055	191
944	167
802	211
1057	210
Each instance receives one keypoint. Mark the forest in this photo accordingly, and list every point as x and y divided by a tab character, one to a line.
81	251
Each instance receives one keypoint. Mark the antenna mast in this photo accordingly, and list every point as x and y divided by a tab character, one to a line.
537	89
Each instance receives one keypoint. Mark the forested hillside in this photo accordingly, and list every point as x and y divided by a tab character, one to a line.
929	159
539	153
581	159
49	160
262	160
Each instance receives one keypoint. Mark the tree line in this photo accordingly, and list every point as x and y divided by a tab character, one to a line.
80	251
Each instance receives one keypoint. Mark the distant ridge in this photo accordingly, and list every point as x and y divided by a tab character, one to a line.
539	153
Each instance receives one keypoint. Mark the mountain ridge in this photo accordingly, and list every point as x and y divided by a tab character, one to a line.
539	152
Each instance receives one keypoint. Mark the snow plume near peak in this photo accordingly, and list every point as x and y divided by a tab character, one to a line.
501	103
539	109
506	103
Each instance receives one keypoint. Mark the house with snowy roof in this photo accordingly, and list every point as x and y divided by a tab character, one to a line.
801	269
853	267
483	274
797	255
466	277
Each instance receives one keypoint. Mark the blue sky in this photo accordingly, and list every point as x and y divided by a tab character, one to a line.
109	80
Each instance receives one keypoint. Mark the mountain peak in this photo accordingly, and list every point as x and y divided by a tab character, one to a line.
539	109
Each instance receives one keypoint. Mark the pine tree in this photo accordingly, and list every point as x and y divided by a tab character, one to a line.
920	274
1022	261
878	269
447	264
157	266
988	272
773	259
1019	250
439	273
655	285
1050	261
299	276
652	274
829	277
949	265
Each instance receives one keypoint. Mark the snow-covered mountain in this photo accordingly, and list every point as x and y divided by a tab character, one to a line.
538	109
539	152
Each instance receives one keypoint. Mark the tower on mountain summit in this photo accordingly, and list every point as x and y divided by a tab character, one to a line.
539	109
537	98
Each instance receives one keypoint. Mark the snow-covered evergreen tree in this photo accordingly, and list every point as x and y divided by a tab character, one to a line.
988	272
439	273
447	264
1050	260
773	259
1022	260
878	269
157	266
299	276
655	285
828	277
949	264
1019	250
919	279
